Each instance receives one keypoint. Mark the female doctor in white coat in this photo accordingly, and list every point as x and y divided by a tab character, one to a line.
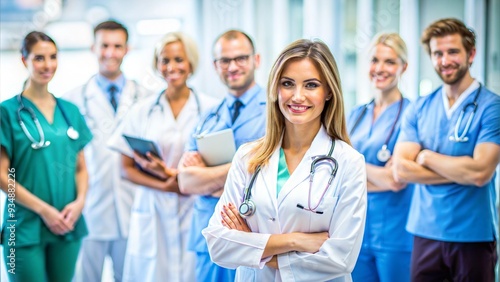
156	249
305	226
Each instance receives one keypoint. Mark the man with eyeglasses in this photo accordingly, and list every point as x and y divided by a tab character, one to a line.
242	110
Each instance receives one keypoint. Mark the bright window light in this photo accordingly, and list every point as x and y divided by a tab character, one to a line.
158	27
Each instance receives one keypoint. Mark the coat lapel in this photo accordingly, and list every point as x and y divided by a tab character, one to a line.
320	146
129	97
98	101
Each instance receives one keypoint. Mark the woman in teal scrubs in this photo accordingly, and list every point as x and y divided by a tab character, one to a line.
374	127
43	173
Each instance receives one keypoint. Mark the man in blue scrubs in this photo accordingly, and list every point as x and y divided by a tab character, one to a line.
452	215
242	110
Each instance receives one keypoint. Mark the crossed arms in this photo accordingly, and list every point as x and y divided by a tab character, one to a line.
411	164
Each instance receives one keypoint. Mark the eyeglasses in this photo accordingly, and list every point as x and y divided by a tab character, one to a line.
224	63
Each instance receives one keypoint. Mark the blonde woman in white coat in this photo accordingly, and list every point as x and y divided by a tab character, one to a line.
161	216
302	228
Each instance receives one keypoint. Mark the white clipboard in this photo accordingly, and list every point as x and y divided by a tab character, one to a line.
217	148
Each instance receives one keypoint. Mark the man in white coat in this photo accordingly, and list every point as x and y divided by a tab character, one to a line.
104	100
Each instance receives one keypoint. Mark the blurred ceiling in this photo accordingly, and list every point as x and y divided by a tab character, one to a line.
70	22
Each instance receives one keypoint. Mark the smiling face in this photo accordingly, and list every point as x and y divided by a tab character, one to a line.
239	74
302	93
385	68
41	62
449	58
110	47
173	64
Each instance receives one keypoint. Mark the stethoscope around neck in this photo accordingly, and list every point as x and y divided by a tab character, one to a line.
157	106
383	154
199	132
86	112
247	208
71	131
460	138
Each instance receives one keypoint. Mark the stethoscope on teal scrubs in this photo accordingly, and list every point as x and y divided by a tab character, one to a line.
216	114
383	154
71	132
462	138
247	207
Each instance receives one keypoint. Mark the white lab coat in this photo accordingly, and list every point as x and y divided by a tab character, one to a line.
343	207
109	197
157	245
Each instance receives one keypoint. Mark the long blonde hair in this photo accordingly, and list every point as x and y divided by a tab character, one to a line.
332	117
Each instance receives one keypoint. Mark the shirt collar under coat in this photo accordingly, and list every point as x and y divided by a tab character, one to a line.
245	98
103	83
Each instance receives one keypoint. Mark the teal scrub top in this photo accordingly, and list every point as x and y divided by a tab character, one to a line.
283	173
49	173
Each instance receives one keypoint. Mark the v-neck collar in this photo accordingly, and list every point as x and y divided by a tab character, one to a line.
39	113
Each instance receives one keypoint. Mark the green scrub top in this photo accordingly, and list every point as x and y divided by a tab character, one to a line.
283	173
49	172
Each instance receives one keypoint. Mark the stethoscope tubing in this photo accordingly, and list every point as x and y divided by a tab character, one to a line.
198	131
71	132
157	104
393	127
474	105
317	160
84	94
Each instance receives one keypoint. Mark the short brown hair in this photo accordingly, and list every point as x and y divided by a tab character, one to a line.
233	34
111	25
449	26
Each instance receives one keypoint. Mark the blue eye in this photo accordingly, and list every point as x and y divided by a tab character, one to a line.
312	85
286	83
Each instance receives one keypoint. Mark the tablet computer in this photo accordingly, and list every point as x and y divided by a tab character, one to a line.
142	146
217	148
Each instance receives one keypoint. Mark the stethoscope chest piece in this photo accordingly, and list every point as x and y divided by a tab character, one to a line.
72	133
458	139
40	145
383	154
247	208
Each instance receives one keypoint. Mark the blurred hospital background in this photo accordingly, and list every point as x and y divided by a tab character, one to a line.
345	25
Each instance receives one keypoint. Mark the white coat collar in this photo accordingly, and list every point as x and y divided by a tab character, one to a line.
320	146
95	98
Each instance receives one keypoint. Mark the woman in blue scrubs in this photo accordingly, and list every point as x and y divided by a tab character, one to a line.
374	128
43	173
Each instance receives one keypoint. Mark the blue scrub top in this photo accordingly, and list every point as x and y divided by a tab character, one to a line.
249	126
453	212
48	173
387	212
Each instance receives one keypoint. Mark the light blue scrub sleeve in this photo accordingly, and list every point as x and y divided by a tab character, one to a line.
6	131
490	123
409	128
